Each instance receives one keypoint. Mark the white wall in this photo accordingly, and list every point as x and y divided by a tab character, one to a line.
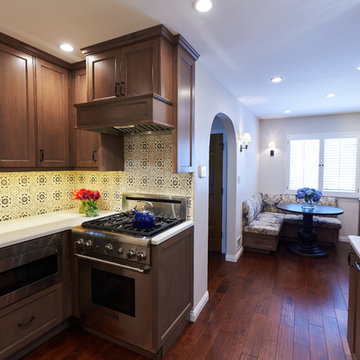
212	98
272	170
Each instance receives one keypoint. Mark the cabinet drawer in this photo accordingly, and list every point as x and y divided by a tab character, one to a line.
27	319
260	242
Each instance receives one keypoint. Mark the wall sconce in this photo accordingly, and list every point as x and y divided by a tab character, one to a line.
272	148
246	138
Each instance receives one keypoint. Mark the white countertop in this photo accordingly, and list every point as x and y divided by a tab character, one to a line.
355	243
166	235
28	228
24	229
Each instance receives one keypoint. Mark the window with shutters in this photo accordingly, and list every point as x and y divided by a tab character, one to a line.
326	162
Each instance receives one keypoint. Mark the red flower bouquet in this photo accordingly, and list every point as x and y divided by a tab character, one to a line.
88	200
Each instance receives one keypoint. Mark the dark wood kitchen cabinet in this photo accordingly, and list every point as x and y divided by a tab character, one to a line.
86	142
184	114
52	93
129	70
17	118
94	150
353	330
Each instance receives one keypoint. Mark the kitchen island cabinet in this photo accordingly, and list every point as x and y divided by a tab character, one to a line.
17	135
353	331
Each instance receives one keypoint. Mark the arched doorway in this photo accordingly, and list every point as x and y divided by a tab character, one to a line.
222	186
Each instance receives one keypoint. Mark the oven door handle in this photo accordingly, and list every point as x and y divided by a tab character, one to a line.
143	271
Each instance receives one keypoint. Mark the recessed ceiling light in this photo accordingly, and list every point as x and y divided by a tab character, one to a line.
330	95
358	67
203	5
287	111
66	47
277	79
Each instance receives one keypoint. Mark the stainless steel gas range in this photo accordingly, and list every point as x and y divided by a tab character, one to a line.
129	289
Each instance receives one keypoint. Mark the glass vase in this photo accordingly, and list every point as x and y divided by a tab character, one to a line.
92	211
308	204
83	207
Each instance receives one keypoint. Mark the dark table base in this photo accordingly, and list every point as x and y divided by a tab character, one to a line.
307	236
307	250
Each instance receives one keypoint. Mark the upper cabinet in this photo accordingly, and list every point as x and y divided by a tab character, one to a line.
17	135
130	69
52	93
143	82
86	142
103	75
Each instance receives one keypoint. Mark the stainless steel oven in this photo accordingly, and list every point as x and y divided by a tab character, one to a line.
29	267
115	269
116	301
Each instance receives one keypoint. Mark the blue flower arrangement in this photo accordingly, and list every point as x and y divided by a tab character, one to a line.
309	195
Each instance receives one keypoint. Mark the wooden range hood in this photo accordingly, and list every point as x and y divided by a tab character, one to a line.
138	114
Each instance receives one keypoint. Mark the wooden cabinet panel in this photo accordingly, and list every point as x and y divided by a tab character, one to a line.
183	139
86	141
27	319
140	68
17	135
52	115
353	330
103	71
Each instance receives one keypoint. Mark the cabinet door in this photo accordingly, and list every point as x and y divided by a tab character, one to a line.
103	72
183	137
86	141
17	135
357	310
52	115
140	69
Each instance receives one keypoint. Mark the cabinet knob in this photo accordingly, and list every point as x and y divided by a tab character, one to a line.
94	155
41	155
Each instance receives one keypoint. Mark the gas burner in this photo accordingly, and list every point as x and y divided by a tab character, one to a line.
122	223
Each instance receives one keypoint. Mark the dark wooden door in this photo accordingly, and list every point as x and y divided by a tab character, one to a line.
103	72
140	68
215	191
86	141
17	135
52	91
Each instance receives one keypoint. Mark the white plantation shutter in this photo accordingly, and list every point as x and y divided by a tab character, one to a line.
340	159
304	163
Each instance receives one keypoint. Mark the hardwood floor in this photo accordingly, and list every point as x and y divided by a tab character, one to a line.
262	307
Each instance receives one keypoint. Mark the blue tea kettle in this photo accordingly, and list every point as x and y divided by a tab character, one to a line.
143	219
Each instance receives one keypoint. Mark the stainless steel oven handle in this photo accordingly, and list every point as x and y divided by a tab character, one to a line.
143	271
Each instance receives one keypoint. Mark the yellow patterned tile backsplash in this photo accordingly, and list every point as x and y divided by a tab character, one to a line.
148	169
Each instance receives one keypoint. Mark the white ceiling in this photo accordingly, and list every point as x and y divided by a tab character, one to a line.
313	44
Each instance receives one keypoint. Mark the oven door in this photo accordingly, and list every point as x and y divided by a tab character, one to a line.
116	301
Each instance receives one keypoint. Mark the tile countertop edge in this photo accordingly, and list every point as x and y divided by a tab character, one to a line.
32	227
166	235
355	243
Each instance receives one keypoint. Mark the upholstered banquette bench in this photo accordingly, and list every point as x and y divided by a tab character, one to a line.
263	223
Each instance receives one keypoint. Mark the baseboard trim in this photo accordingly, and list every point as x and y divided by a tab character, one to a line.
198	308
234	258
343	239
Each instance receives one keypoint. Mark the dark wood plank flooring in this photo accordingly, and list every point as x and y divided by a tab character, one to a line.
263	307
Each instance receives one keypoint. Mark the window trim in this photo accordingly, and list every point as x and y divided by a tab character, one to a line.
321	137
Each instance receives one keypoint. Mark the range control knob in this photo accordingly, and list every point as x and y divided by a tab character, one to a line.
108	248
131	253
79	244
141	255
88	244
120	250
